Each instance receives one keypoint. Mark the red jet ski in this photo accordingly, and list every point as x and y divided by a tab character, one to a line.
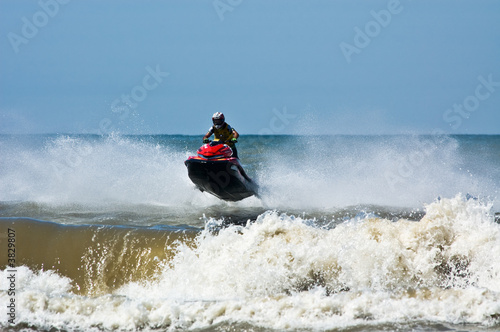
215	171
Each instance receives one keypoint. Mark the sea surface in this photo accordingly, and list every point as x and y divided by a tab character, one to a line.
349	233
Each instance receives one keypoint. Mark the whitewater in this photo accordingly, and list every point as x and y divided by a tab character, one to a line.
348	233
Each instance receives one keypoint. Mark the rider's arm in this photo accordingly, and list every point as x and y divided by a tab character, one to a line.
235	134
205	138
209	133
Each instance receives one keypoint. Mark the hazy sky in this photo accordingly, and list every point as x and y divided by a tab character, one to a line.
273	67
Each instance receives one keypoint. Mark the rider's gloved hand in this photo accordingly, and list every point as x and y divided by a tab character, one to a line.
234	140
206	140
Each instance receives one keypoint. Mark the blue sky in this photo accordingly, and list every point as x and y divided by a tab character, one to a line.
273	67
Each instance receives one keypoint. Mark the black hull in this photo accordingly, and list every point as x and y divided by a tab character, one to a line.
221	178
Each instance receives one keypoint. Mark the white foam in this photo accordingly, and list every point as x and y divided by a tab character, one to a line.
306	173
110	170
283	272
405	171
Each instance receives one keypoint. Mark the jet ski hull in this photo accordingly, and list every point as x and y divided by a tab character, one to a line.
223	178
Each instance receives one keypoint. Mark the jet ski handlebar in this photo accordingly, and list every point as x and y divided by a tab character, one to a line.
216	142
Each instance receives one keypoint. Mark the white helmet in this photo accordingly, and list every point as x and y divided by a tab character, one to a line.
218	119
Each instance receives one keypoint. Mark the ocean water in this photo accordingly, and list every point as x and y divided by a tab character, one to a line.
349	233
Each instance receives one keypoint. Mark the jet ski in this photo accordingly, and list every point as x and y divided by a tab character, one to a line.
215	171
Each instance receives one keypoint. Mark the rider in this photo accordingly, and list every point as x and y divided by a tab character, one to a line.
223	132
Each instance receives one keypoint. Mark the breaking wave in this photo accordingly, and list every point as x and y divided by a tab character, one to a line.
280	271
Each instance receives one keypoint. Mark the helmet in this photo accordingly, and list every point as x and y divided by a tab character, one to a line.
218	119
